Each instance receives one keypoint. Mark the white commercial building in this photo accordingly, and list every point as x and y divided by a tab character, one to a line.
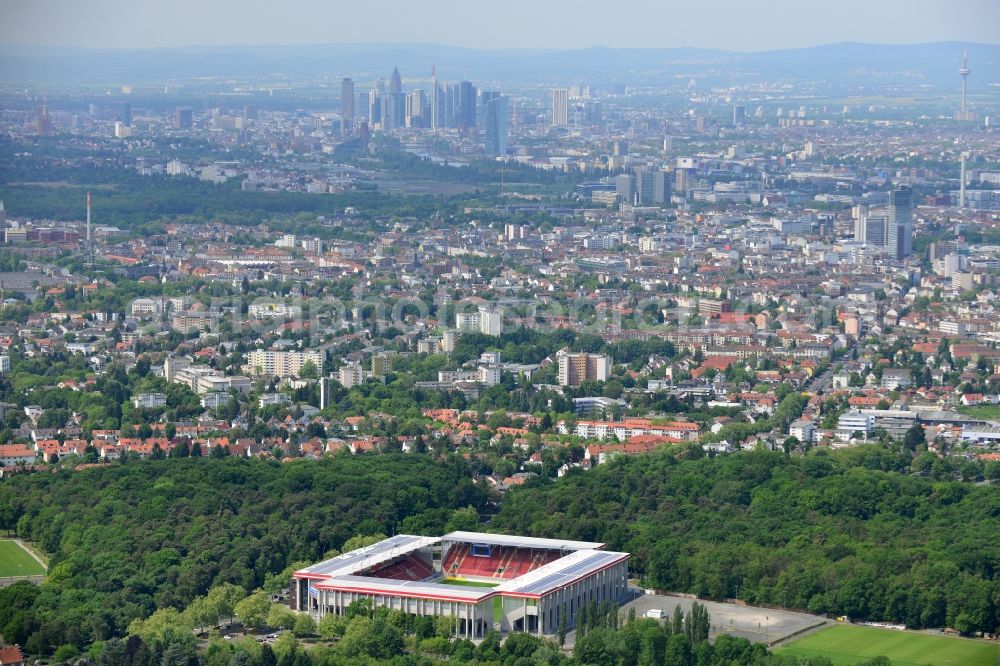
853	421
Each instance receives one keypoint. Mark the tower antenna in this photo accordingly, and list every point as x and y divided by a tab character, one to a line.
964	72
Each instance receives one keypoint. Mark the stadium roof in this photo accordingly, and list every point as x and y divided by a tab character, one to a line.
342	572
363	558
520	541
558	573
407	588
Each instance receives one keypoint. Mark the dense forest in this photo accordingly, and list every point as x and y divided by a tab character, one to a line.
128	539
128	200
846	532
139	549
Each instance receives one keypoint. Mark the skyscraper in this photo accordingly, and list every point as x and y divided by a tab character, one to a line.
374	106
436	100
391	111
347	102
871	229
466	105
361	106
652	186
183	119
451	103
484	98
125	115
900	229
416	108
395	82
739	115
560	107
496	126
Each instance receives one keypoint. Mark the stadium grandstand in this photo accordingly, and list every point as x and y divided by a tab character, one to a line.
482	581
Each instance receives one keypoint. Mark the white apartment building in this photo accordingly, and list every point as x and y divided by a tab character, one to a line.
486	321
430	345
274	310
802	430
489	374
214	400
16	454
149	400
467	321
282	363
270	399
147	306
351	374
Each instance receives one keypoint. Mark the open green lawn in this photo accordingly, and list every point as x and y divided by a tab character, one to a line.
15	561
846	645
466	583
988	412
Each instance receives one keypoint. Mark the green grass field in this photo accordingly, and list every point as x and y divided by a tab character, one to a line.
15	561
988	412
466	583
846	645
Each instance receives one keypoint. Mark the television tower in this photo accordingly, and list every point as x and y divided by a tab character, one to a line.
88	218
964	72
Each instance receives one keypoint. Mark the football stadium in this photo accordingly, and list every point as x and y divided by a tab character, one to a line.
481	581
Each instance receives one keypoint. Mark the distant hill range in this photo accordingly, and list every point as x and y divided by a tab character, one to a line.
932	67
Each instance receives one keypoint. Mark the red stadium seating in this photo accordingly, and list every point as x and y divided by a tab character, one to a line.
408	567
503	563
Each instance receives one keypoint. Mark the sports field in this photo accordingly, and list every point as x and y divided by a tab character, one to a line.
466	583
846	645
15	561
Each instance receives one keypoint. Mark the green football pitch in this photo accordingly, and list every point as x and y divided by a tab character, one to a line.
466	583
846	645
15	561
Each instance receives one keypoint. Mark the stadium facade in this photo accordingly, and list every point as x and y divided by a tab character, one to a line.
481	581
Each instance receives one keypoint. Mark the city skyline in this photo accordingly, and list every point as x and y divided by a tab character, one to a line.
111	24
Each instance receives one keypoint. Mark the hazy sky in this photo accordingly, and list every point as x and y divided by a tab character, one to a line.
745	25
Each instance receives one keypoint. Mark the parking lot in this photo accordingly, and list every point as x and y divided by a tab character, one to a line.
761	625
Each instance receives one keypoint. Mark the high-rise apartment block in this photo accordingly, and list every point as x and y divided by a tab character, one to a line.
578	367
282	363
